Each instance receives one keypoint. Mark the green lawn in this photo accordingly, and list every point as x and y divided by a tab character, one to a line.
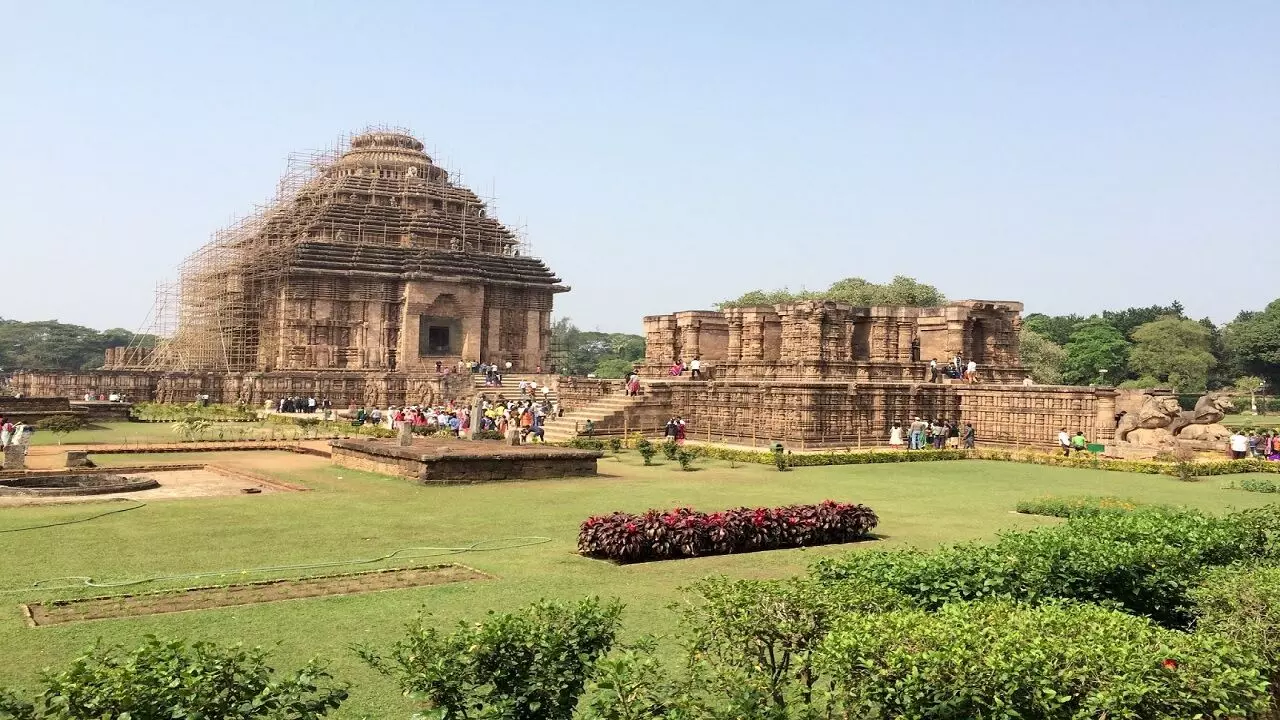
1255	421
354	515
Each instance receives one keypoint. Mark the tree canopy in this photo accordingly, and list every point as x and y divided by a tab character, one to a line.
1043	357
1095	346
1253	339
1174	351
582	352
51	345
902	290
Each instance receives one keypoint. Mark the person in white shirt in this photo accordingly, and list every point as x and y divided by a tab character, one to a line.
933	370
695	369
1064	441
1027	381
895	436
971	371
1239	445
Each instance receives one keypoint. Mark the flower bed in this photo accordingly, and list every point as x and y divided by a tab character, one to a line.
684	532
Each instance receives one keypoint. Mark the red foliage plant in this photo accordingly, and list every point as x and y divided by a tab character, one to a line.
684	532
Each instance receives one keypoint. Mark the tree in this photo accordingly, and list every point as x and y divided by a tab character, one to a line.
1056	328
51	345
856	291
1174	351
1253	340
614	368
1129	319
1095	346
1043	357
604	354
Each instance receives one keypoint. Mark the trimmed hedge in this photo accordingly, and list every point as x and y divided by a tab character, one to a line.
1093	462
684	532
1052	662
1068	507
1145	561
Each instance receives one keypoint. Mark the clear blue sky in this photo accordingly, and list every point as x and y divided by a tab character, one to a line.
665	155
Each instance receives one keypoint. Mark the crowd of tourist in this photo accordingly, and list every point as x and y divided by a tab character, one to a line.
1255	445
303	405
937	434
957	369
527	415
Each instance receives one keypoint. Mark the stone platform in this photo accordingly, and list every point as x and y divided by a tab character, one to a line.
433	461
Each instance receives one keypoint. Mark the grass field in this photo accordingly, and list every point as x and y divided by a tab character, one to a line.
351	515
1262	421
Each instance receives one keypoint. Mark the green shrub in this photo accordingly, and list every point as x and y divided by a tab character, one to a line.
646	450
172	412
780	458
686	456
632	684
486	435
1051	662
583	443
759	638
170	679
1259	485
531	664
669	449
1066	507
1144	561
60	424
1243	605
615	445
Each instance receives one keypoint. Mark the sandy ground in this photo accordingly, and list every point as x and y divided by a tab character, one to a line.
173	484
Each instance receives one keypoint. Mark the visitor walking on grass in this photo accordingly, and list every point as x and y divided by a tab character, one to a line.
969	436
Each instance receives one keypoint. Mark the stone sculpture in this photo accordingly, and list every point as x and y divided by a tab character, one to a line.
1156	413
1209	410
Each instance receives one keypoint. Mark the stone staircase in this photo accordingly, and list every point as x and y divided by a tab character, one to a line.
510	387
607	407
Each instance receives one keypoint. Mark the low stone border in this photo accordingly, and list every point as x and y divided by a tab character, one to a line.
57	612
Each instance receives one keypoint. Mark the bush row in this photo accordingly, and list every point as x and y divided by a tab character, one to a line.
1066	507
794	649
171	412
1094	462
683	532
999	659
1144	561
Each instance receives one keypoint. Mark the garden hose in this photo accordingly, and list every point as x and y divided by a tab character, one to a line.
510	543
79	520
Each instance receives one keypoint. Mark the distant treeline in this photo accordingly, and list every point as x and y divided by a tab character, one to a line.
51	345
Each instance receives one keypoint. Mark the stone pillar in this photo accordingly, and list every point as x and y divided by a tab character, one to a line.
1104	424
471	339
493	343
753	338
735	338
532	340
905	331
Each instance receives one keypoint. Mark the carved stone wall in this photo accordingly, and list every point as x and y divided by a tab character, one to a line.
832	414
832	341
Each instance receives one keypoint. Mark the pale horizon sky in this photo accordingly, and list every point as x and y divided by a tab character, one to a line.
1076	156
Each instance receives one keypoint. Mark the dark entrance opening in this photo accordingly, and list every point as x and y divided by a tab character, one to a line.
438	336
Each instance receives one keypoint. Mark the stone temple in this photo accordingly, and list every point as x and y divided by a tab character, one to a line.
370	269
819	374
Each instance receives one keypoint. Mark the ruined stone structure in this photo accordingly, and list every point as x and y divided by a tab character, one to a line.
815	374
371	269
